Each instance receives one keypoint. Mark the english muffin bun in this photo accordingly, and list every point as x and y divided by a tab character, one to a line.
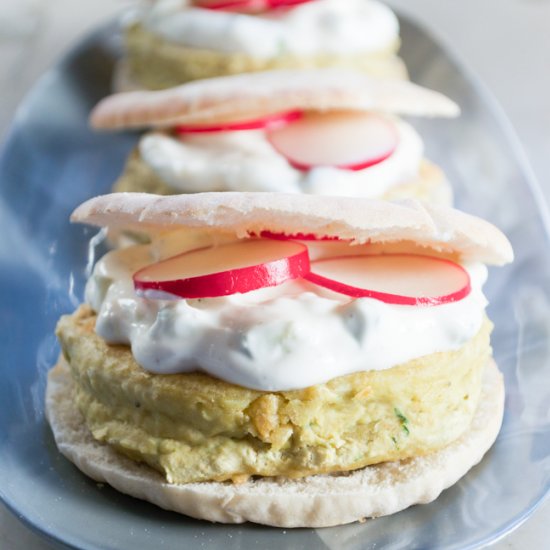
249	406
440	229
246	96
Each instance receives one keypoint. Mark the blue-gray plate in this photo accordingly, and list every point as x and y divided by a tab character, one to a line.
52	162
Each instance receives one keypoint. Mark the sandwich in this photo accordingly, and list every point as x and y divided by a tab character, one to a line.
294	361
325	131
175	41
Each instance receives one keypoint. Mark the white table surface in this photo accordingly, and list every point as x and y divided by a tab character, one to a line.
506	42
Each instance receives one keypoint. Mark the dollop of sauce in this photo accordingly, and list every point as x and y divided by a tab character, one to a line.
329	27
292	336
246	161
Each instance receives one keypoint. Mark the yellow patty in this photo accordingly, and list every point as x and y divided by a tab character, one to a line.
156	63
430	185
192	427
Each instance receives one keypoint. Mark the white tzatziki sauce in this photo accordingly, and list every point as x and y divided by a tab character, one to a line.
322	27
287	337
246	161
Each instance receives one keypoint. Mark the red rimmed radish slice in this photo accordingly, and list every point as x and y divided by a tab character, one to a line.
402	279
278	120
345	140
229	269
299	237
254	5
248	5
274	4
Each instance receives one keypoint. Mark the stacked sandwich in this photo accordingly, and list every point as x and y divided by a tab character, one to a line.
321	131
276	342
175	41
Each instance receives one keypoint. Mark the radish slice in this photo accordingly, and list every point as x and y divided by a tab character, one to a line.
299	236
274	4
229	269
345	140
270	121
248	5
403	279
